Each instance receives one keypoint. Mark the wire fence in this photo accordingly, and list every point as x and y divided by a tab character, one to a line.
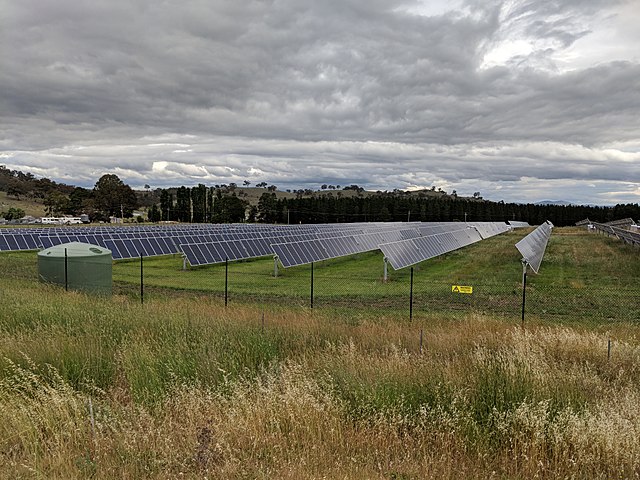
412	294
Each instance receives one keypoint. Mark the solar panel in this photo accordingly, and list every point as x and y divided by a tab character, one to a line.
517	224
533	246
409	252
489	229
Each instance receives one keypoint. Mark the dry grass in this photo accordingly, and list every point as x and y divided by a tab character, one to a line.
483	400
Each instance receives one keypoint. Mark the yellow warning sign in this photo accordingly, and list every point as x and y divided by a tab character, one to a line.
461	289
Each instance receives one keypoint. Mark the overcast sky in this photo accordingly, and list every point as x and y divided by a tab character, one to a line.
521	100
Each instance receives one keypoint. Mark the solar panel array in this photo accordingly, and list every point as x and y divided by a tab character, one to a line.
627	236
533	246
623	222
204	244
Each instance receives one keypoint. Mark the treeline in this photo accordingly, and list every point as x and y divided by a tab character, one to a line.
384	207
222	205
201	204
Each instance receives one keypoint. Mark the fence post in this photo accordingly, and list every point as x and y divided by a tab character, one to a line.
386	270
524	289
411	297
141	280
226	281
312	285
66	272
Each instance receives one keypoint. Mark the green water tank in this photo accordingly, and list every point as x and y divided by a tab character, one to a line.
88	267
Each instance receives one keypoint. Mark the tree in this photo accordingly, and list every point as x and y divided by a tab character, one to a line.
183	204
166	204
79	201
17	188
199	203
267	208
232	209
56	204
113	197
13	214
154	214
246	183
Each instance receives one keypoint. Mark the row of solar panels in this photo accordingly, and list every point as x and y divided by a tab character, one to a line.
409	252
189	229
296	250
34	238
627	236
406	243
533	246
402	247
142	231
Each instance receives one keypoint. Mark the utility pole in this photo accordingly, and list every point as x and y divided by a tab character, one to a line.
409	216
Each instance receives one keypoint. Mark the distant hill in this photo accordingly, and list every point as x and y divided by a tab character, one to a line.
30	206
553	202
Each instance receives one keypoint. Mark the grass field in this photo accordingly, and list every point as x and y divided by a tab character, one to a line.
181	387
30	206
584	288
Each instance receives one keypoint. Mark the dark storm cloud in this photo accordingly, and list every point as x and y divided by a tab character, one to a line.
303	92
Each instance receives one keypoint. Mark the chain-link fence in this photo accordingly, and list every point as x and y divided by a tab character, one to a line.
407	294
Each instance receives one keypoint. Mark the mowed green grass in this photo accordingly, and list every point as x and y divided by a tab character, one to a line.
583	275
494	260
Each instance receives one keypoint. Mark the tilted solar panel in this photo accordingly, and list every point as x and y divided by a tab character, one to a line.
533	246
409	252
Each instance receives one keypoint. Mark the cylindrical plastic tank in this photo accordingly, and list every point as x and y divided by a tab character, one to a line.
88	267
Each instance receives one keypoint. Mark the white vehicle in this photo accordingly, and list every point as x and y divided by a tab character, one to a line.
61	220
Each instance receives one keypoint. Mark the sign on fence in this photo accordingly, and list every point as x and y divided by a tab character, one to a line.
461	289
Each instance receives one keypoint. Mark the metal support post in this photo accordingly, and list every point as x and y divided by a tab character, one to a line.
141	280
66	272
226	281
411	297
312	285
386	271
524	288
